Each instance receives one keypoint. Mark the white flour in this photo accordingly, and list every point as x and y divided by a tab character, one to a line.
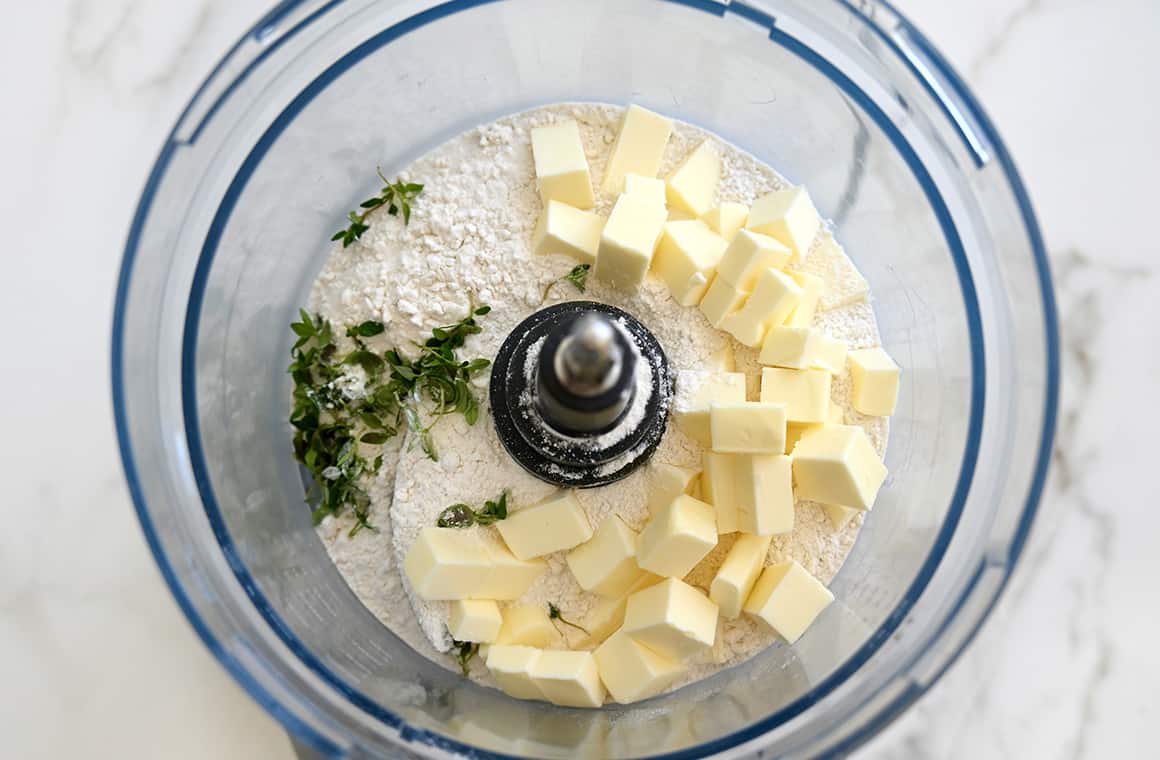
468	243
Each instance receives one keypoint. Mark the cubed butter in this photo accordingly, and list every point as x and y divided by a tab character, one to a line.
718	487
693	185
633	672
721	300
603	620
788	215
568	230
451	563
696	391
639	148
831	354
672	618
677	537
606	563
527	625
511	667
569	679
838	515
650	189
811	285
874	382
668	481
737	574
788	599
686	259
836	415
727	219
747	427
475	620
805	392
561	166
628	241
790	347
554	525
773	298
764	494
795	430
749	255
507	577
838	465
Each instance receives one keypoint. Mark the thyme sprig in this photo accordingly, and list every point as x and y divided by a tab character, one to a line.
396	196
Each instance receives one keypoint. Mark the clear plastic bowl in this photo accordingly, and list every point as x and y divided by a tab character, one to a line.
283	138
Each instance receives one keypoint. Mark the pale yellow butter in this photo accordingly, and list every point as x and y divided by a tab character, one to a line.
737	574
507	577
838	465
805	392
511	667
686	259
811	285
693	184
603	620
788	599
628	241
839	516
747	427
475	620
696	391
569	679
567	230
452	563
718	487
650	189
668	481
831	354
633	672
639	148
561	166
527	625
677	537
773	298
788	215
672	618
791	347
874	382
554	525
727	219
606	563
721	300
764	494
748	255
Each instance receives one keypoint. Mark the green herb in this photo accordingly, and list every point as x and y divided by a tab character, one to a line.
554	614
395	196
463	516
464	651
578	276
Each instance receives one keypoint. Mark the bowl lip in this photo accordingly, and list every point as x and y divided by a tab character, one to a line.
320	743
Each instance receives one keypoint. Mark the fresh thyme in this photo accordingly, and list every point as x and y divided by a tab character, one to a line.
554	614
396	196
578	277
464	652
463	516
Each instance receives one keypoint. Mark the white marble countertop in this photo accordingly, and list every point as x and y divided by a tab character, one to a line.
97	661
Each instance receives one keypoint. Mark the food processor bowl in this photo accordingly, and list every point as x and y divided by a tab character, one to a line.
284	137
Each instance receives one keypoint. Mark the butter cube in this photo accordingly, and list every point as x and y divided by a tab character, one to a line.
602	621
764	494
666	482
811	285
874	382
788	215
511	667
788	599
561	166
686	259
639	148
718	487
721	300
839	516
747	427
696	391
692	185
677	537
527	625
672	618
790	347
838	465
727	219
794	432
563	229
633	672
774	296
552	526
569	679
650	189
474	620
748	256
507	577
805	392
628	241
452	563
606	563
830	354
737	574
836	415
